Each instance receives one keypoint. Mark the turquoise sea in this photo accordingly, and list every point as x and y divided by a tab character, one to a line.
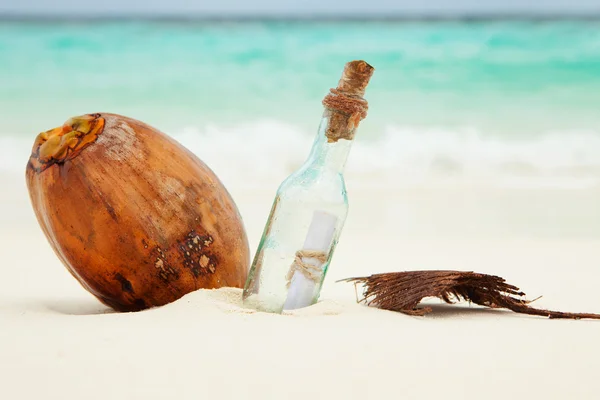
476	99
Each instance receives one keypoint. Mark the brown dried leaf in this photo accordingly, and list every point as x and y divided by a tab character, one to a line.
403	291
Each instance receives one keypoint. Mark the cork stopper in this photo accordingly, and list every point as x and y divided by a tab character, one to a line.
344	105
355	78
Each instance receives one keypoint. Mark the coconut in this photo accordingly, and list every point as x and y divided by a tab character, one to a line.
134	216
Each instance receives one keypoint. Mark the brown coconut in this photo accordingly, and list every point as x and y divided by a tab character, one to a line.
135	217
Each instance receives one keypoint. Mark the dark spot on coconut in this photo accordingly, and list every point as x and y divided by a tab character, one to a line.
126	286
111	211
194	250
140	304
165	270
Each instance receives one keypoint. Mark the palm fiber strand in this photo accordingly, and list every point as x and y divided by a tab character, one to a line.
403	291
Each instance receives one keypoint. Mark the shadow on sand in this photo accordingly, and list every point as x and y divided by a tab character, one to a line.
77	306
443	310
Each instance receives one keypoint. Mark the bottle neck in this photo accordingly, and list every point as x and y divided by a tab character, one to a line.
328	154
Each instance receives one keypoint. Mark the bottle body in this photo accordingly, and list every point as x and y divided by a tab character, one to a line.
302	231
310	207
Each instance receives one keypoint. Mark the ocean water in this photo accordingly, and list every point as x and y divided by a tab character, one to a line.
501	102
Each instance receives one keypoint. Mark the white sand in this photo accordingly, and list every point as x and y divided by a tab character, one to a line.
58	342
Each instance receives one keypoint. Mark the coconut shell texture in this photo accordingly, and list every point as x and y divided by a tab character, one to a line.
135	217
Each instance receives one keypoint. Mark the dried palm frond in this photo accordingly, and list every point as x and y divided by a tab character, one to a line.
403	291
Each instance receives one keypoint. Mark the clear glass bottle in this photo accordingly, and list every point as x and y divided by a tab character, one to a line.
310	207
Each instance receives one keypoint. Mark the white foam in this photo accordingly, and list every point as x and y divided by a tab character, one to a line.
264	152
16	152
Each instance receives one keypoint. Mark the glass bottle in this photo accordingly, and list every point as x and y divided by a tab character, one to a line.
310	207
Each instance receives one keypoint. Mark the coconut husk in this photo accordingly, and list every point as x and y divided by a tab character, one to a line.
403	291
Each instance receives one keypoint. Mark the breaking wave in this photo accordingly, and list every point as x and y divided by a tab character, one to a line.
264	152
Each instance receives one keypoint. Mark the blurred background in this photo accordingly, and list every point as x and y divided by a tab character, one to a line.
486	108
480	152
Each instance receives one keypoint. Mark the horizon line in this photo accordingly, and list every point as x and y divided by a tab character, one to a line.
321	17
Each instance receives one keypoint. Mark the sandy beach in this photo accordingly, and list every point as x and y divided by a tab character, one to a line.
60	342
480	152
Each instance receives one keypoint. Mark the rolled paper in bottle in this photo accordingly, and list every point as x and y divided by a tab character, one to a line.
301	291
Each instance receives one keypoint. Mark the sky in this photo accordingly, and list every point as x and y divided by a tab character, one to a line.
297	7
